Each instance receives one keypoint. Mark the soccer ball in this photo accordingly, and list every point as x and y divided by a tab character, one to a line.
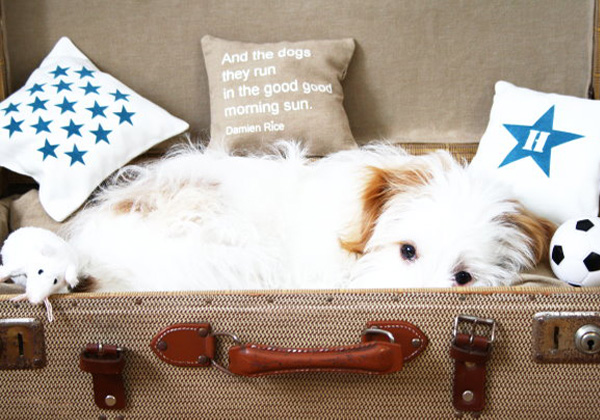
575	252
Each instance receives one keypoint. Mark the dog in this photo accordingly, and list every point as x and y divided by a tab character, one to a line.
374	217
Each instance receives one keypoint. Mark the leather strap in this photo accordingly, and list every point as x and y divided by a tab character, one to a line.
376	355
411	339
376	358
188	345
105	363
470	354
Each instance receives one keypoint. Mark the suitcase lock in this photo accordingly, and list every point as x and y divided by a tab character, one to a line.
22	344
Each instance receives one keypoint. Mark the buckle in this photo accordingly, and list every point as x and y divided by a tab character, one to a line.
474	321
106	364
235	340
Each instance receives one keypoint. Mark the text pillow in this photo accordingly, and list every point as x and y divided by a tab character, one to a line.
260	93
72	125
546	148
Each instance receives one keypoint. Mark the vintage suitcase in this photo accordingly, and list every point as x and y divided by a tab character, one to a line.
506	353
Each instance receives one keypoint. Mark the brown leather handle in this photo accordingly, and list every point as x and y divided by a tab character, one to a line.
376	355
385	347
375	358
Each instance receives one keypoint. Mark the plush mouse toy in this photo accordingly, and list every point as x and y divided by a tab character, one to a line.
41	261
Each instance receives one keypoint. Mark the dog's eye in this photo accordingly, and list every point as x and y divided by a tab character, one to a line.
408	252
55	281
462	277
40	272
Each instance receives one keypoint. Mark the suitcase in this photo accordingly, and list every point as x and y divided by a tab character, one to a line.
505	352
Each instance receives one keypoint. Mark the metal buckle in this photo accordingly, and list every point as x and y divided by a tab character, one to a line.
375	330
236	341
474	321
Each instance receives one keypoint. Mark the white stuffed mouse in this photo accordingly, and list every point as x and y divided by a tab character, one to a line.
41	261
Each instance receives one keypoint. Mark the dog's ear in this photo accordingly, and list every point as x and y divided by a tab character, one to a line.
537	229
381	185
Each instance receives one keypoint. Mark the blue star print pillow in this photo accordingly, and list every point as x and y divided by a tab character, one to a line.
546	148
72	125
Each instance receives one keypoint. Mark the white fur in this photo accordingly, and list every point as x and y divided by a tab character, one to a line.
40	261
206	220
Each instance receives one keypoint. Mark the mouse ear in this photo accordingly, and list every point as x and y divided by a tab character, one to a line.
47	250
71	276
7	274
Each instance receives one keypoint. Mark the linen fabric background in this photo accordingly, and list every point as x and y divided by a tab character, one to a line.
422	71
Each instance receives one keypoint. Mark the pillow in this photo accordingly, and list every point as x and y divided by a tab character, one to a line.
546	148
260	93
25	210
72	125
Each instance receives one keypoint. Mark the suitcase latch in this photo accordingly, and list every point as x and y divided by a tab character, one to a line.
566	337
472	339
22	344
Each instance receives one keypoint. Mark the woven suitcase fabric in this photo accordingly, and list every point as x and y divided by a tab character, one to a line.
517	386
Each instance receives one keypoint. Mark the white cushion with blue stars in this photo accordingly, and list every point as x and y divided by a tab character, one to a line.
546	148
72	125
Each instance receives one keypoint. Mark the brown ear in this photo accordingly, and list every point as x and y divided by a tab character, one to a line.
380	187
538	229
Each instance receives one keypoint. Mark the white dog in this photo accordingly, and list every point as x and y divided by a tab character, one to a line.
369	218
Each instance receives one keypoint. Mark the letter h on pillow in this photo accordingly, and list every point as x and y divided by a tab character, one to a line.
546	148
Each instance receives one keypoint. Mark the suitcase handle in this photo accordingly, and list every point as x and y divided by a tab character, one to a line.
376	358
384	348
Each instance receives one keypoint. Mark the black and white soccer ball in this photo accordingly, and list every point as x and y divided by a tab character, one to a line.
575	252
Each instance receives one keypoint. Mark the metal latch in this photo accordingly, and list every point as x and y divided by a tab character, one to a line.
22	344
566	337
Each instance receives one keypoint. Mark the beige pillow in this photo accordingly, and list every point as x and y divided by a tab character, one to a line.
27	210
260	93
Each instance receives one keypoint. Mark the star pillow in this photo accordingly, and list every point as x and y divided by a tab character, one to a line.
546	149
72	125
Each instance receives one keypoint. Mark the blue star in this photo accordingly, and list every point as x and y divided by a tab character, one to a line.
76	155
101	134
72	129
97	110
13	126
61	85
89	88
66	106
85	72
48	150
36	88
11	108
119	95
37	104
60	71
124	116
41	125
537	141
